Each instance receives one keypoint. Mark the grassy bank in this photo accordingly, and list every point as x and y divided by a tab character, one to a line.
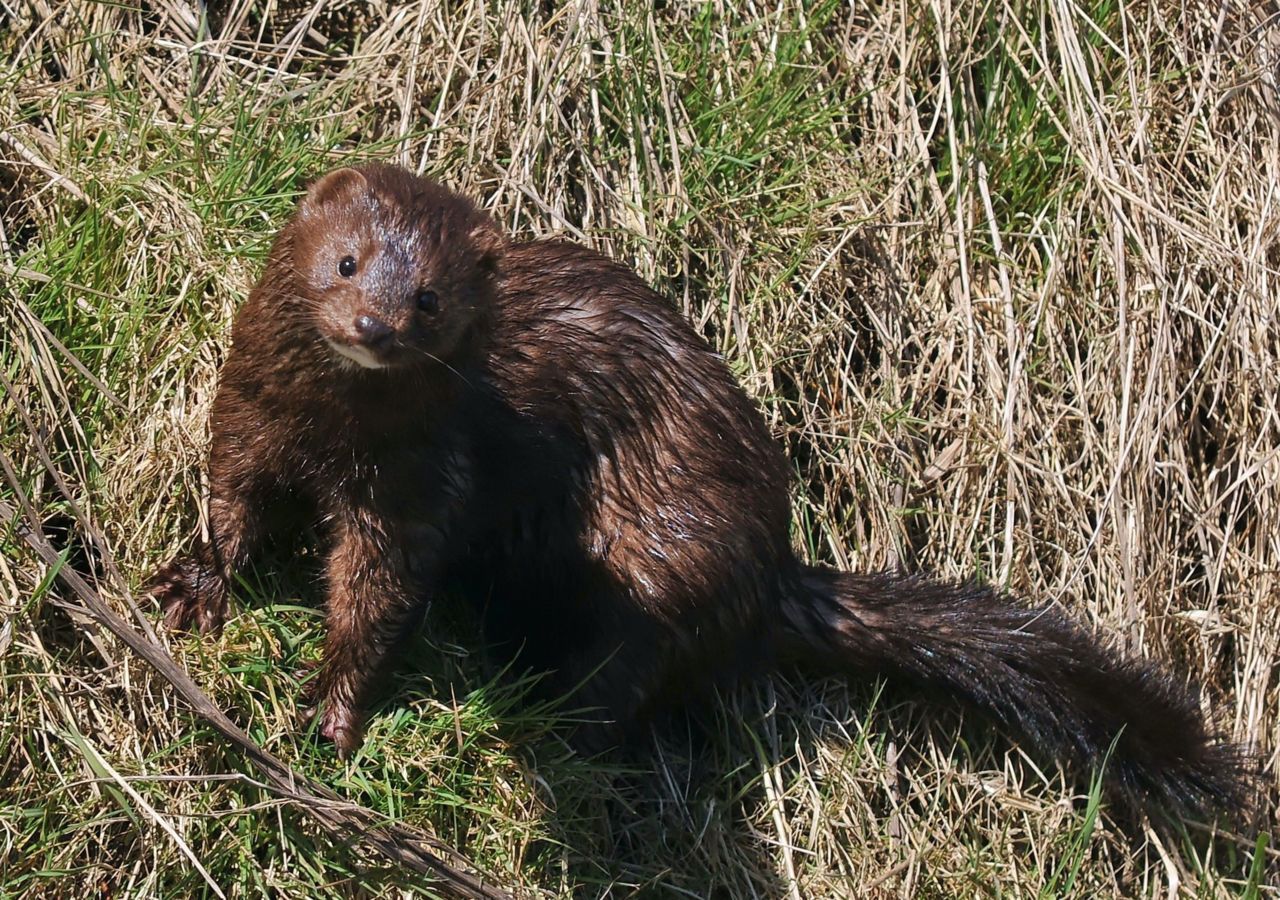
1000	276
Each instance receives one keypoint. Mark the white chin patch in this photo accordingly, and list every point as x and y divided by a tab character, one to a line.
358	355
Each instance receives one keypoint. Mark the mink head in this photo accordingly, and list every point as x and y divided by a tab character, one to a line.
393	269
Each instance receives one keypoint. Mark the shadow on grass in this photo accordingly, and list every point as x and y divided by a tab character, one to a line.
702	807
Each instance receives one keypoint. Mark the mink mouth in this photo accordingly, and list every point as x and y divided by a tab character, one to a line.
359	354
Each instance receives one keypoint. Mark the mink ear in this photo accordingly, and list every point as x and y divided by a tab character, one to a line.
490	245
337	184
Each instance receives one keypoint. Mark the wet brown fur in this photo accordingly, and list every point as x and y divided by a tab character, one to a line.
557	438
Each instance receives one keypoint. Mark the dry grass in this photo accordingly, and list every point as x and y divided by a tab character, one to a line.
1001	275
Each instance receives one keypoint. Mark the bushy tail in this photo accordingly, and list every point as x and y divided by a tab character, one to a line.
1031	669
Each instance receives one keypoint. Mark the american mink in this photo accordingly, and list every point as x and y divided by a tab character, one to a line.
533	420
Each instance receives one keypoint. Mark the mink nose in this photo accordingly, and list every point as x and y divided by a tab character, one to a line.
372	331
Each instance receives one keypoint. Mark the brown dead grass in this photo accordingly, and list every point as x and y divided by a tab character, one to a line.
1001	277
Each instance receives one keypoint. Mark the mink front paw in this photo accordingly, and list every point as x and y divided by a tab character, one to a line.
191	597
343	726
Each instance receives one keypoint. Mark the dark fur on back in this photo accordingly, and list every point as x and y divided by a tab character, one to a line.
531	420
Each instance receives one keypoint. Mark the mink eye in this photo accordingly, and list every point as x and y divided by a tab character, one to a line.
428	301
347	267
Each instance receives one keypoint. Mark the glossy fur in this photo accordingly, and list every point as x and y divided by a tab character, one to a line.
556	438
